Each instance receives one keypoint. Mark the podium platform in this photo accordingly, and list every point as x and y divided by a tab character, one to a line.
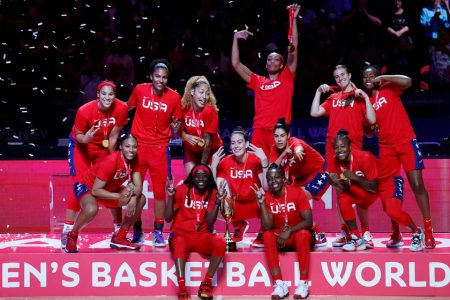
33	265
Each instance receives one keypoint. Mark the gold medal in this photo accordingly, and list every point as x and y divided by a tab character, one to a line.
201	143
343	176
105	143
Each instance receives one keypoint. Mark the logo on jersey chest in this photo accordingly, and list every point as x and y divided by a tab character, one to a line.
193	122
153	105
235	174
276	208
273	85
106	122
341	103
120	174
195	204
379	103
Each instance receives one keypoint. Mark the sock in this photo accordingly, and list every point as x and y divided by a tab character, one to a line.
415	229
117	226
357	233
122	233
68	225
364	229
208	279
277	277
316	228
137	225
158	224
181	284
427	225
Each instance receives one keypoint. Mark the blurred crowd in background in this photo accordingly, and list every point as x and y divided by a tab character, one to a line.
54	53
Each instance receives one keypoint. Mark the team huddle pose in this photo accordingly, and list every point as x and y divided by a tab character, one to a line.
270	177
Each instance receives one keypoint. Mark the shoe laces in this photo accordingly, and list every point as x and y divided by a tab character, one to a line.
279	288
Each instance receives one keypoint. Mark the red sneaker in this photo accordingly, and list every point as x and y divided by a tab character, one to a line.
71	245
258	242
121	243
396	241
239	231
205	291
183	295
430	243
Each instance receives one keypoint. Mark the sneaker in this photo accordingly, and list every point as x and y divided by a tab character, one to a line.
138	237
396	241
321	240
340	240
417	243
354	244
430	243
368	240
280	290
302	292
66	229
121	243
183	295
258	242
71	244
205	291
158	239
239	231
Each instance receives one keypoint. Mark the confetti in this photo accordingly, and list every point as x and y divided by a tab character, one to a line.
65	119
30	154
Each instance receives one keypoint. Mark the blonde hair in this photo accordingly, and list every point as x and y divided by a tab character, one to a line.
193	82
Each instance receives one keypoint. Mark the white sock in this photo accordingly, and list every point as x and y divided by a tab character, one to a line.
117	226
67	227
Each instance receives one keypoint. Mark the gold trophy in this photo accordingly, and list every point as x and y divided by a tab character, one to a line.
227	210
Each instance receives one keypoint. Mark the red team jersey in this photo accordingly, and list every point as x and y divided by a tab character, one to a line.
111	170
241	176
296	202
197	123
273	98
393	121
185	218
351	118
362	163
89	115
311	164
154	113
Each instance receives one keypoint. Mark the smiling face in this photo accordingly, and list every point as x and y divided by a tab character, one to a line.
200	96
281	138
238	144
275	180
106	97
129	148
342	150
200	180
368	79
159	78
342	78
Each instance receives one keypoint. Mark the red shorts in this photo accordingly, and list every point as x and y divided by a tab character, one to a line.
154	159
263	138
244	210
407	155
108	203
182	243
196	157
391	187
356	195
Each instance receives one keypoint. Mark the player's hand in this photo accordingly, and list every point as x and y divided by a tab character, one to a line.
299	152
243	34
259	153
170	189
259	193
282	237
191	139
323	88
217	156
296	8
175	124
131	207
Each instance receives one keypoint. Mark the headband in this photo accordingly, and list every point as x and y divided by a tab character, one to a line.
160	65
106	83
201	168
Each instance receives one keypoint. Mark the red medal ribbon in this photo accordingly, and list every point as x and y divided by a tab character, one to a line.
197	124
198	211
127	167
291	24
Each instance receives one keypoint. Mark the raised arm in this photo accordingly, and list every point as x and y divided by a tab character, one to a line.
240	68
316	109
402	81
292	57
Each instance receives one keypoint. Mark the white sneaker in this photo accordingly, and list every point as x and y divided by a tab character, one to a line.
280	290
417	241
302	292
368	240
355	244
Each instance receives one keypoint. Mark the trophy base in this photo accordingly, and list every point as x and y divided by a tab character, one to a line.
231	246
